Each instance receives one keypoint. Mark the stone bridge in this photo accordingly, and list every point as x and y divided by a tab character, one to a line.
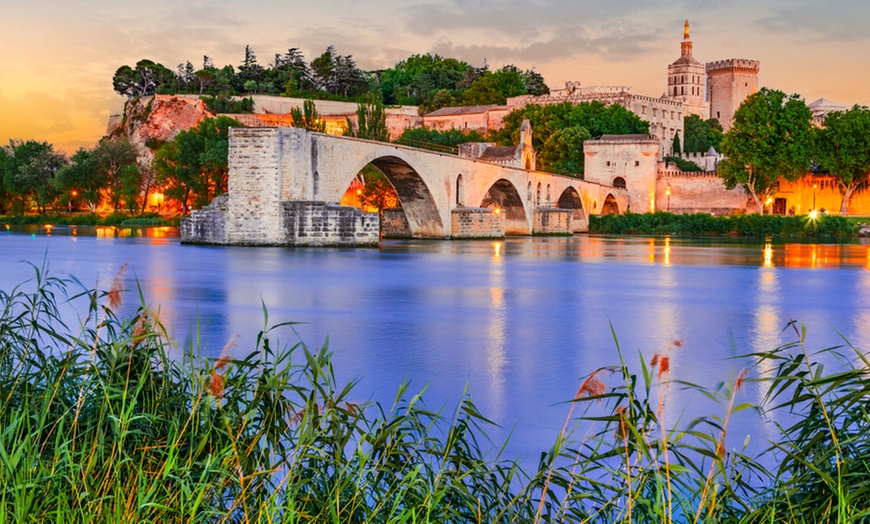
285	184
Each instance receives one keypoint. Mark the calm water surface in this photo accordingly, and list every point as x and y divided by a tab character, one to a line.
519	323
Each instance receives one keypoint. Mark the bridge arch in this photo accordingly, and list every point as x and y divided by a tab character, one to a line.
570	199
611	206
415	198
504	195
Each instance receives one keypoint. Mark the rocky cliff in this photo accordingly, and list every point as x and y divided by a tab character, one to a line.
149	121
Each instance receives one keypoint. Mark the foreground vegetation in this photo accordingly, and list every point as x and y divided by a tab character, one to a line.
703	224
91	219
98	424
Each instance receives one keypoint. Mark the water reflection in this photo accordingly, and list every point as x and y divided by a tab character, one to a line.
519	321
495	339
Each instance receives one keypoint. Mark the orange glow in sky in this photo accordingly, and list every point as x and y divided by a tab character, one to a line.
58	58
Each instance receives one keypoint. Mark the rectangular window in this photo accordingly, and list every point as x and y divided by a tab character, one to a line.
636	163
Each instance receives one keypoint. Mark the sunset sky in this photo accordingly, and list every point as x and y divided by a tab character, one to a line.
58	58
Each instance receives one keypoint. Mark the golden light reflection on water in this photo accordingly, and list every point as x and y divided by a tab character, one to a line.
495	339
767	332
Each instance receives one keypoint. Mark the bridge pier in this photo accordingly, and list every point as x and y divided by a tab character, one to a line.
300	223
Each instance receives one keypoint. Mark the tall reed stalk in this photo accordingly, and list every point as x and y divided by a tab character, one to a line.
98	424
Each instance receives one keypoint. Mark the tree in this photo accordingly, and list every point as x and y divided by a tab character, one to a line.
145	79
377	192
193	168
308	117
449	138
534	83
770	138
495	88
595	117
250	70
416	79
843	148
29	170
371	123
114	158
80	180
563	150
677	147
701	135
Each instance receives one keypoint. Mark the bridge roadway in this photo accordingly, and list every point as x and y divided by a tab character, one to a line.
271	166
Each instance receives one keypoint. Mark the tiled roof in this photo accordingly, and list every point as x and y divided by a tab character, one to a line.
496	153
461	110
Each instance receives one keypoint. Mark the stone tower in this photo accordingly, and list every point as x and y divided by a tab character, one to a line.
686	80
729	82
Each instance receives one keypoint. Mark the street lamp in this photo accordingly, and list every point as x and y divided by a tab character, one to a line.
668	192
73	194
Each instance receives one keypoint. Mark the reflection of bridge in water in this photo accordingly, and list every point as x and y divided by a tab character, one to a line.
285	185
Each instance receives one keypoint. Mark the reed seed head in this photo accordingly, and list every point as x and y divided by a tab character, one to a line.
114	294
592	386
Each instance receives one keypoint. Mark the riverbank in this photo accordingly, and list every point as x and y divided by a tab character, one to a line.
119	219
99	424
826	227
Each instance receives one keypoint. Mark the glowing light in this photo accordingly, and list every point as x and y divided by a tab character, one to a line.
667	251
48	228
768	255
814	215
496	249
497	211
768	201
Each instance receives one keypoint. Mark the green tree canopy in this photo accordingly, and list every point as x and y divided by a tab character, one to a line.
770	138
596	118
447	138
563	150
308	118
495	88
843	148
701	135
418	78
193	168
115	159
81	181
28	173
144	79
371	123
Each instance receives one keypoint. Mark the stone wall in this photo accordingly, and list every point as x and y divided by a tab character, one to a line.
476	222
395	223
307	223
697	193
254	185
206	225
553	221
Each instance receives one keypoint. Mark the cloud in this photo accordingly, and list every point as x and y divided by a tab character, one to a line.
845	20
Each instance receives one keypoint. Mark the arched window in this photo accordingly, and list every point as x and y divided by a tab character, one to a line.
529	193
549	198
538	195
619	182
459	195
316	184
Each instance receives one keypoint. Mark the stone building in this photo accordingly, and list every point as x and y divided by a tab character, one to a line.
686	80
522	156
729	82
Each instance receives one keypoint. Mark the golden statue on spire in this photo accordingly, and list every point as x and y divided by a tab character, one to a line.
686	30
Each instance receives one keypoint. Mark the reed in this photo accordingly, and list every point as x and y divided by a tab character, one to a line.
98	424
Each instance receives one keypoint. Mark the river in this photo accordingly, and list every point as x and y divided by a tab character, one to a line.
519	323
